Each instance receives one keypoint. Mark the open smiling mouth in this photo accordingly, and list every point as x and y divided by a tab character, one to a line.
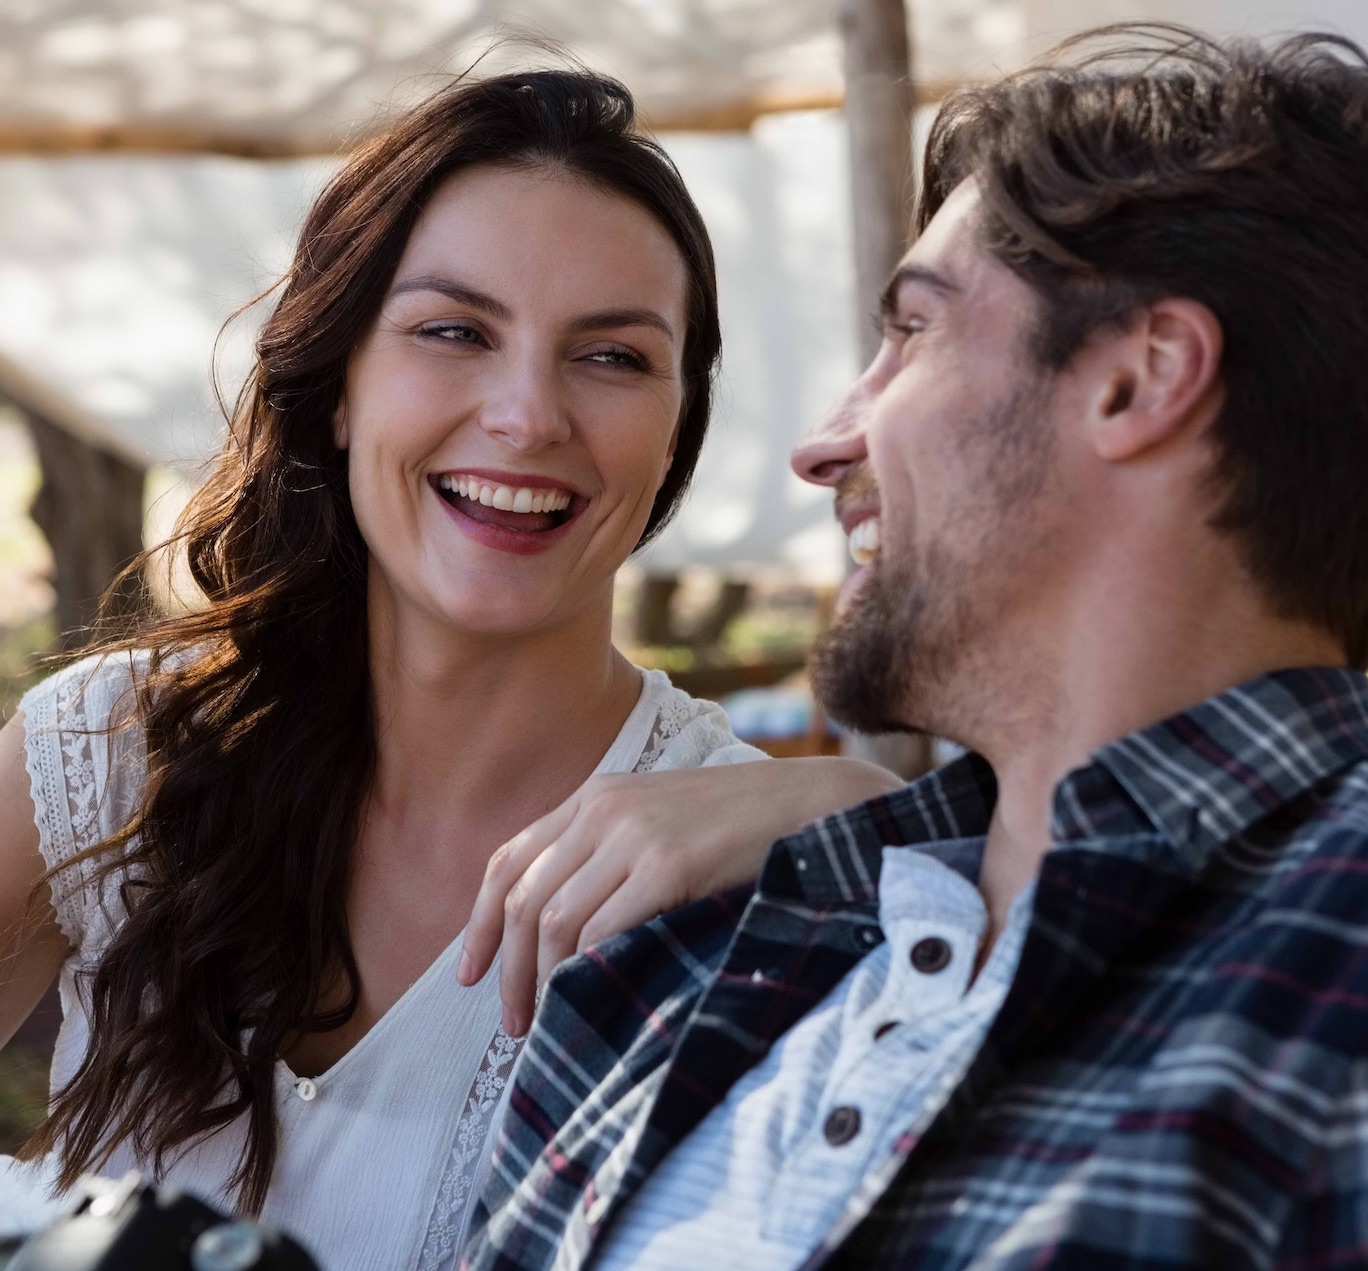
520	509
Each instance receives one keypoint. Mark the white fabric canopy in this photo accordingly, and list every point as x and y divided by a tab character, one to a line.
314	71
116	271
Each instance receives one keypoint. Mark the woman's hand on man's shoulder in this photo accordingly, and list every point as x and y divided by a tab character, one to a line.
626	847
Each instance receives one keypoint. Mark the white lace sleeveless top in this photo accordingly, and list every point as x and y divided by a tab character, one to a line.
379	1155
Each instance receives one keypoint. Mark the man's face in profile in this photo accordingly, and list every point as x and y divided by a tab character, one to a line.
961	474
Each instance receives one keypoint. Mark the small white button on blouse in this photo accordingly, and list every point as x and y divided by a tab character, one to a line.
306	1089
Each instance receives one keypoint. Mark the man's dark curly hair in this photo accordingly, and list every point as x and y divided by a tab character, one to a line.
1150	161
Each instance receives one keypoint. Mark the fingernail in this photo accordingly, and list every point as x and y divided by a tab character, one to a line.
464	969
510	1023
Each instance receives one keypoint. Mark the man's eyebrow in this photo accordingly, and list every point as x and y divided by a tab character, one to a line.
888	302
622	318
455	291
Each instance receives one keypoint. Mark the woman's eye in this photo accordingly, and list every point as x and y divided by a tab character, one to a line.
627	358
454	333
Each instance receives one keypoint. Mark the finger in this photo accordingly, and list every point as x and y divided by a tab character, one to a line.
522	922
634	902
485	927
577	899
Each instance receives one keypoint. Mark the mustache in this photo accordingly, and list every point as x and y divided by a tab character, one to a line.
856	488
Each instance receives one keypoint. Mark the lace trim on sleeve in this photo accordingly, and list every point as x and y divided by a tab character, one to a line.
59	758
690	733
675	714
64	717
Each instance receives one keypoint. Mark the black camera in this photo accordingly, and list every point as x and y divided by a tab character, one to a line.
133	1226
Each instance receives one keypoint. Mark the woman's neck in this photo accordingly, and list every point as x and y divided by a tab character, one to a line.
458	714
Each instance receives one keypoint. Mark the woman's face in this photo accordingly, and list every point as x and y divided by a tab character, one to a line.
512	411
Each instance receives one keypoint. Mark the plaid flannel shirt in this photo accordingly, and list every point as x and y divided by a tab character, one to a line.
1178	1076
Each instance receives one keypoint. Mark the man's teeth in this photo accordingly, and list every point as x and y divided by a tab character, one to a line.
864	541
507	498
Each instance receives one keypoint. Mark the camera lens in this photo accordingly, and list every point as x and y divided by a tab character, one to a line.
232	1246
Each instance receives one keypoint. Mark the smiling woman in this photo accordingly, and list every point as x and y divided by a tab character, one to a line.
531	346
255	833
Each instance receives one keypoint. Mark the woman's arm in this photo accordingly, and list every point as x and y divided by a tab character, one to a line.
626	847
32	946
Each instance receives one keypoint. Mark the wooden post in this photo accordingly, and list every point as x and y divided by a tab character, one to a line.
879	100
878	107
90	509
90	505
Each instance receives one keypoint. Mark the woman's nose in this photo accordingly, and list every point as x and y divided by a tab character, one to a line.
525	411
830	449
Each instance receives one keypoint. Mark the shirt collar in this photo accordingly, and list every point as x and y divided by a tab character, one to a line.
1199	778
837	860
1206	775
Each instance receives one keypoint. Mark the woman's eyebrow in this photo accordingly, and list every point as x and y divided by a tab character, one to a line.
477	299
455	291
622	318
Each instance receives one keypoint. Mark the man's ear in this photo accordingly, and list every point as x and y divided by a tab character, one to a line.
341	436
1163	372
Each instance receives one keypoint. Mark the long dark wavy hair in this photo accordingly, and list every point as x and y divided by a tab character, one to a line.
256	706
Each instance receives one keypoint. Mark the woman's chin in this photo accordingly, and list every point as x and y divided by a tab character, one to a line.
506	616
484	602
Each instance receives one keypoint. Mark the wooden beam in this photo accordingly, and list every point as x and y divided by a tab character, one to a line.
64	139
71	139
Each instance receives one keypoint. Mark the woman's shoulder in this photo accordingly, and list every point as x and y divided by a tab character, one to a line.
91	694
688	732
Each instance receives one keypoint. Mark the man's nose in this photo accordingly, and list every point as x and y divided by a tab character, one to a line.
830	449
524	410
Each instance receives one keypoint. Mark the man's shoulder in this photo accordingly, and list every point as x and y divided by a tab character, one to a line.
608	1022
622	994
1311	853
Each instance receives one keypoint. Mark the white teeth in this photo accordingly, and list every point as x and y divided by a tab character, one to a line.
864	541
506	498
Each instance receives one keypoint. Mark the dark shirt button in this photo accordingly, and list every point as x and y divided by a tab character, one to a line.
842	1125
885	1028
868	937
930	955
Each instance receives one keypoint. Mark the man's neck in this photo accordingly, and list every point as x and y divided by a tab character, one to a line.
1128	661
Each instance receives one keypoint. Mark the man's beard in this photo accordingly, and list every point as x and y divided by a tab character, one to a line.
872	666
894	658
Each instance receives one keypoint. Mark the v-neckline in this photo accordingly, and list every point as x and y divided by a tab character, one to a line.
396	1008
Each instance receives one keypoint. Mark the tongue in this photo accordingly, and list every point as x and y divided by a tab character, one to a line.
528	522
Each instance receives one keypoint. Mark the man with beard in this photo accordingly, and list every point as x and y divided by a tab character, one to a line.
1096	994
